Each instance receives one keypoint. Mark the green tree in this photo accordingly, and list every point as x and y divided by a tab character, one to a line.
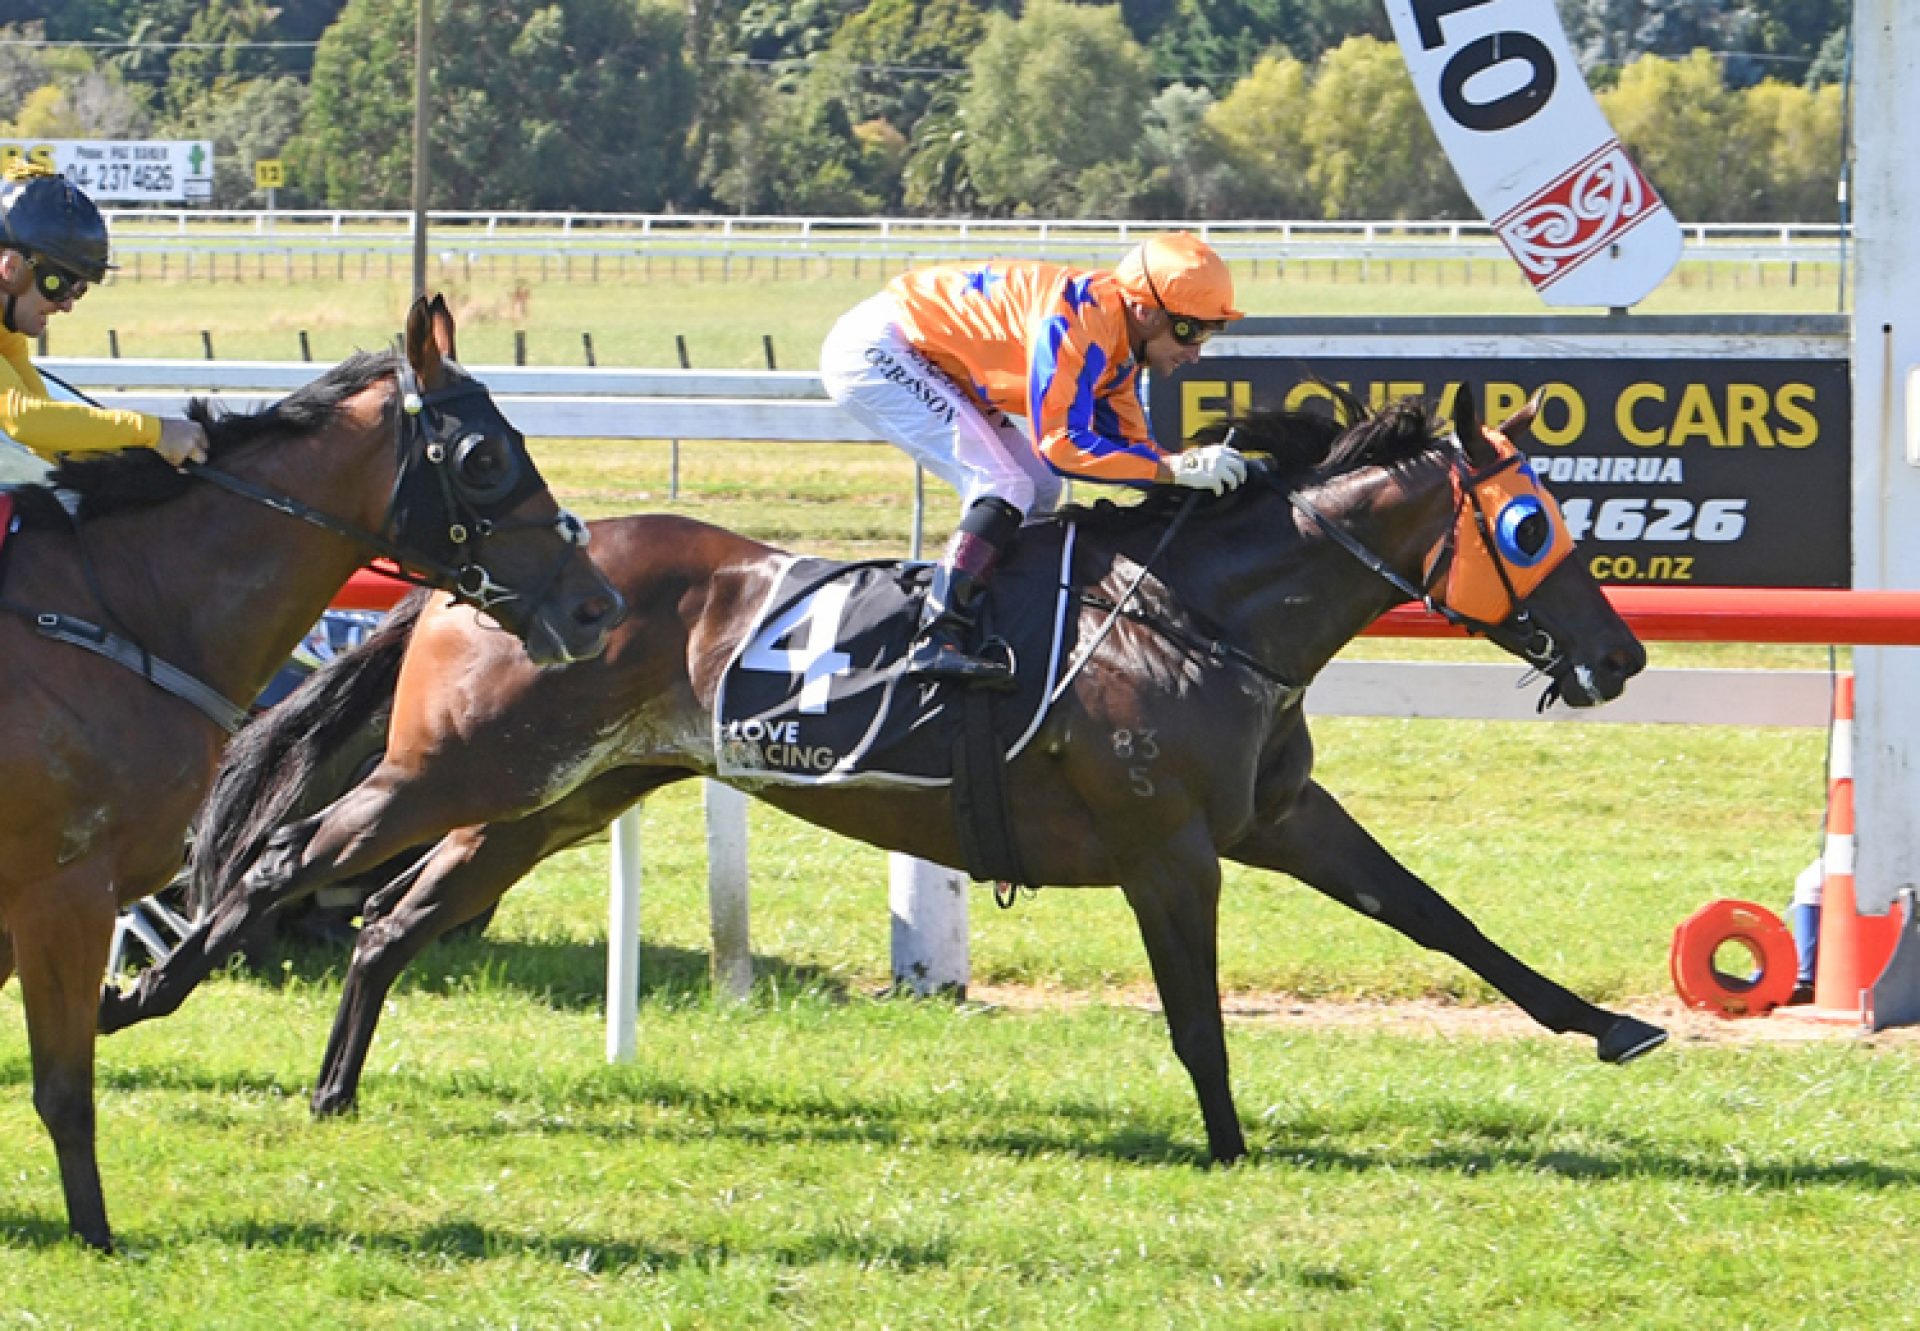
354	149
1684	128
248	122
1794	133
1055	93
1374	153
582	105
893	56
1217	42
1261	127
937	177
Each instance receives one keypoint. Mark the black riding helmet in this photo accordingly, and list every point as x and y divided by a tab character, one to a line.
45	215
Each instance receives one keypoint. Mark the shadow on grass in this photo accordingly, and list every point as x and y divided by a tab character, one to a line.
568	976
465	1241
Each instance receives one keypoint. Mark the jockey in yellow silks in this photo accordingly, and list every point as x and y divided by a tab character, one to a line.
943	360
53	248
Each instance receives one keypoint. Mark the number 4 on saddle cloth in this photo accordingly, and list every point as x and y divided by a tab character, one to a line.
817	693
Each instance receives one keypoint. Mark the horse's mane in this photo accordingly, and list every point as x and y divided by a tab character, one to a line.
139	477
1302	448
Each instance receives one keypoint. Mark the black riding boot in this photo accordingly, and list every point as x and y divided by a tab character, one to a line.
944	648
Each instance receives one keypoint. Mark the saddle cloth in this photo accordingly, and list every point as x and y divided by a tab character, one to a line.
817	693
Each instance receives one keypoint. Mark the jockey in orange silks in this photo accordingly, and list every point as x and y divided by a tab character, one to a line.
944	359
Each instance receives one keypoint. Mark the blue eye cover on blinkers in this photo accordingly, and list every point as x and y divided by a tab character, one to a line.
1512	536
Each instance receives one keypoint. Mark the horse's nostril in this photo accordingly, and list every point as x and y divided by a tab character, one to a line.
596	610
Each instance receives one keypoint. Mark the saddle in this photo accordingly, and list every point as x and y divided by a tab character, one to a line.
817	692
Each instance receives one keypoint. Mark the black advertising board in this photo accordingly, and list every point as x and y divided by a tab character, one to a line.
1729	472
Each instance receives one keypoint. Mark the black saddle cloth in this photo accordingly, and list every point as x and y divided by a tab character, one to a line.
817	692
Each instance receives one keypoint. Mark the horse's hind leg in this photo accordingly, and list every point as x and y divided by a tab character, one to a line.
465	874
1319	843
61	939
361	830
1175	896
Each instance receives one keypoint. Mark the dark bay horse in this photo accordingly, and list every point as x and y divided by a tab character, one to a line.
209	579
1168	751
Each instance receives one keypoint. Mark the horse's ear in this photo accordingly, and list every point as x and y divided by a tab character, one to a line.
1518	425
442	318
1466	427
423	343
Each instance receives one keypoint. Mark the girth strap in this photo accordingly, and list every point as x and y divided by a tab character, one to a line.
161	674
982	816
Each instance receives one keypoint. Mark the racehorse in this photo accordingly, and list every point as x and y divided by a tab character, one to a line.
204	581
1180	740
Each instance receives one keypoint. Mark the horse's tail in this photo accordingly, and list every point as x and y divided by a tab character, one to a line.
274	758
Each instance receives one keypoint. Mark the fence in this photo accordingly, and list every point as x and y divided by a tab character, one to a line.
147	240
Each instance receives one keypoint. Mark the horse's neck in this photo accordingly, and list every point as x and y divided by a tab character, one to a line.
225	587
1291	594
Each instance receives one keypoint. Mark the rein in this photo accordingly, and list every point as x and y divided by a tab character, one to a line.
1534	644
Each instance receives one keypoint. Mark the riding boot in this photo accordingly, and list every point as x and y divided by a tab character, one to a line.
943	650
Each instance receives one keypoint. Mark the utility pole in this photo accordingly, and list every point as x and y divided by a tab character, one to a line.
422	64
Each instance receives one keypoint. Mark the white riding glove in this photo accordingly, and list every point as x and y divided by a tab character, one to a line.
1211	467
180	440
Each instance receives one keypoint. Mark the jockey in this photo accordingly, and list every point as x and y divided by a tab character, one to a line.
53	247
942	359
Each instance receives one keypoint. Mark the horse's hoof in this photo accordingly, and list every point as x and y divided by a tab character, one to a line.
326	1105
117	1010
1628	1038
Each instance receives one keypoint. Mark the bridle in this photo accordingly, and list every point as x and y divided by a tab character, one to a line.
431	463
1519	632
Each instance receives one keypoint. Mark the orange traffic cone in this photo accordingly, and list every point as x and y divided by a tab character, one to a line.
1853	948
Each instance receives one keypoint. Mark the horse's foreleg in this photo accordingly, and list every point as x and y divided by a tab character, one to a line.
465	874
1175	896
359	831
61	940
1319	843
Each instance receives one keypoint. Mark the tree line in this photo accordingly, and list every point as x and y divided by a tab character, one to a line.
1148	108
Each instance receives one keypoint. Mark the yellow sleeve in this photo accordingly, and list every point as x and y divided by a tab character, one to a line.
51	428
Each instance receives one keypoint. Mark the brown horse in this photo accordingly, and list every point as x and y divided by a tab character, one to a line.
206	581
1181	740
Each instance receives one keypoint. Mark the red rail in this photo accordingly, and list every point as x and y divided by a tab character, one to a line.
1731	614
1667	614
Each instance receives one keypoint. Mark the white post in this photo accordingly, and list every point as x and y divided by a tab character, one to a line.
929	907
731	964
1886	453
623	939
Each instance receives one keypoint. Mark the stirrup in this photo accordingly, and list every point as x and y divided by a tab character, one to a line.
936	655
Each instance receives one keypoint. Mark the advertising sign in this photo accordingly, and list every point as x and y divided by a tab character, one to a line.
1532	148
126	171
1709	472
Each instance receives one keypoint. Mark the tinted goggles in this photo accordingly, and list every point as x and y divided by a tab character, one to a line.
1189	332
55	282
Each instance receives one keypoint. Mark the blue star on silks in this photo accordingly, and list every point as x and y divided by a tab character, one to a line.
981	281
1079	292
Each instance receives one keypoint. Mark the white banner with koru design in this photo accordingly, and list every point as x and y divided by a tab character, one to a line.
1531	146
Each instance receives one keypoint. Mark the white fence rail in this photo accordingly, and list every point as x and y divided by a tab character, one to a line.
472	236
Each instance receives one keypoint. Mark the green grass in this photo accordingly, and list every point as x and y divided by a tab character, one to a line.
633	320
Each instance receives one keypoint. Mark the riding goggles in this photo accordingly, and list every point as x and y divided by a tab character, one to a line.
1507	536
1187	330
55	282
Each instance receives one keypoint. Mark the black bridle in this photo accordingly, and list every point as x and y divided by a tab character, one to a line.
430	465
431	461
1520	632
